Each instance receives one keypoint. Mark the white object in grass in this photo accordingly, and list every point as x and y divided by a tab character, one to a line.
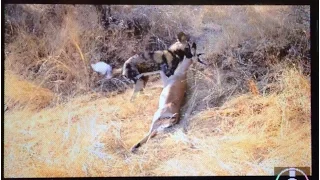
103	68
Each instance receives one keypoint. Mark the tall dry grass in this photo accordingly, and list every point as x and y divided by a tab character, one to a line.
246	112
55	44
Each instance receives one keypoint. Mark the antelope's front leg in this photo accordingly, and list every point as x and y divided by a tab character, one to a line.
139	76
146	74
164	77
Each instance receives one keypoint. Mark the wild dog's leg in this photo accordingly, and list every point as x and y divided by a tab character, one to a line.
137	87
133	96
145	80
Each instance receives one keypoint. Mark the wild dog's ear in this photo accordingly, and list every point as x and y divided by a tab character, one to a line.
182	37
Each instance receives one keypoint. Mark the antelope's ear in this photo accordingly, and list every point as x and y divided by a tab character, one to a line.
182	37
200	61
193	49
199	54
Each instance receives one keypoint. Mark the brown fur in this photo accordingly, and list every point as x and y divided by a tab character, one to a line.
171	100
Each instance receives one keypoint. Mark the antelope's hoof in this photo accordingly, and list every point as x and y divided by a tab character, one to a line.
134	149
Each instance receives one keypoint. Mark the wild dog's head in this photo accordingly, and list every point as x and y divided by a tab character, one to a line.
129	71
182	47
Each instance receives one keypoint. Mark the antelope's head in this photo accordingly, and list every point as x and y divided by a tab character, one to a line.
195	56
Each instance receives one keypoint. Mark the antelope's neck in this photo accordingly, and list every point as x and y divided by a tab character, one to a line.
183	66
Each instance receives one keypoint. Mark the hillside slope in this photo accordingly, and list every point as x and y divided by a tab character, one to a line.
91	136
246	112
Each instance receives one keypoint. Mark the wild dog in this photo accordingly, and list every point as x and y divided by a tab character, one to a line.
171	98
151	62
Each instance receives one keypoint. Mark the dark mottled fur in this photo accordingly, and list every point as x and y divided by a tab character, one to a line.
151	61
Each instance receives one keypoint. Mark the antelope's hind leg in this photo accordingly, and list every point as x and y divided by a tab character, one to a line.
143	141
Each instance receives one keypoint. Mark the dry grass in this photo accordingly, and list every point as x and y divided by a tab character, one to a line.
25	94
262	131
246	112
92	137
